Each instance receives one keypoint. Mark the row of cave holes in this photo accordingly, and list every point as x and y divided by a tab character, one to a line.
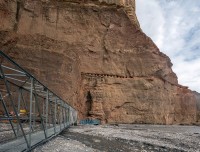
104	75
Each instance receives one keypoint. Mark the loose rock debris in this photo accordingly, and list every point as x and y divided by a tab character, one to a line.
60	144
125	138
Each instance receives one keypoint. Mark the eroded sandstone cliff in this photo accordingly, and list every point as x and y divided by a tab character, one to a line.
94	55
197	95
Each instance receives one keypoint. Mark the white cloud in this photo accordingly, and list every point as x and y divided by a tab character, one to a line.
174	25
151	21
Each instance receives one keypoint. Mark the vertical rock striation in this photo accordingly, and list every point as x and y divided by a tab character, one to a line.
94	55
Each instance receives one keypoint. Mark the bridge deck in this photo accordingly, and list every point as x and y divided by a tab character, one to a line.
19	144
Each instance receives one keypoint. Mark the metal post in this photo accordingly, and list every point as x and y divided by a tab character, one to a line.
50	116
43	108
61	119
55	116
34	113
47	102
68	116
70	121
13	105
25	105
64	115
30	112
60	115
19	102
37	105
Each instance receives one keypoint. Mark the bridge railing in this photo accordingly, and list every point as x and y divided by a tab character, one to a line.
30	113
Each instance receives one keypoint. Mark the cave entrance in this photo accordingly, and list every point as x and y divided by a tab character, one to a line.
88	103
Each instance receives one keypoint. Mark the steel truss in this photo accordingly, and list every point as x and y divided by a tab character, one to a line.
31	112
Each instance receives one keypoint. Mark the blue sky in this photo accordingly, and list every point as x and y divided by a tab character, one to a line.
174	26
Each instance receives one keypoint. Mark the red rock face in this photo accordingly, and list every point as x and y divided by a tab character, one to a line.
98	59
197	95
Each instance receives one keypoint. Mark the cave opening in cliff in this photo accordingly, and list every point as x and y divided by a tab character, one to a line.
88	103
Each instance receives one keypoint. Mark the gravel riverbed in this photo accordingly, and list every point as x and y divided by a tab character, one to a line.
125	138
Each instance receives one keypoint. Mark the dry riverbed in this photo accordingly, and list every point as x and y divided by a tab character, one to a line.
125	138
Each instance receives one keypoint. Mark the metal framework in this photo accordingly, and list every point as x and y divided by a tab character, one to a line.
30	113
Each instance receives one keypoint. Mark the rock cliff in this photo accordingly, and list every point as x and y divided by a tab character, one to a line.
94	55
197	95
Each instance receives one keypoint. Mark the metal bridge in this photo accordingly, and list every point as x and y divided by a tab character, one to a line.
30	113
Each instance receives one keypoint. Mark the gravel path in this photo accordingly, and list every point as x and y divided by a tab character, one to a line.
126	138
60	144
